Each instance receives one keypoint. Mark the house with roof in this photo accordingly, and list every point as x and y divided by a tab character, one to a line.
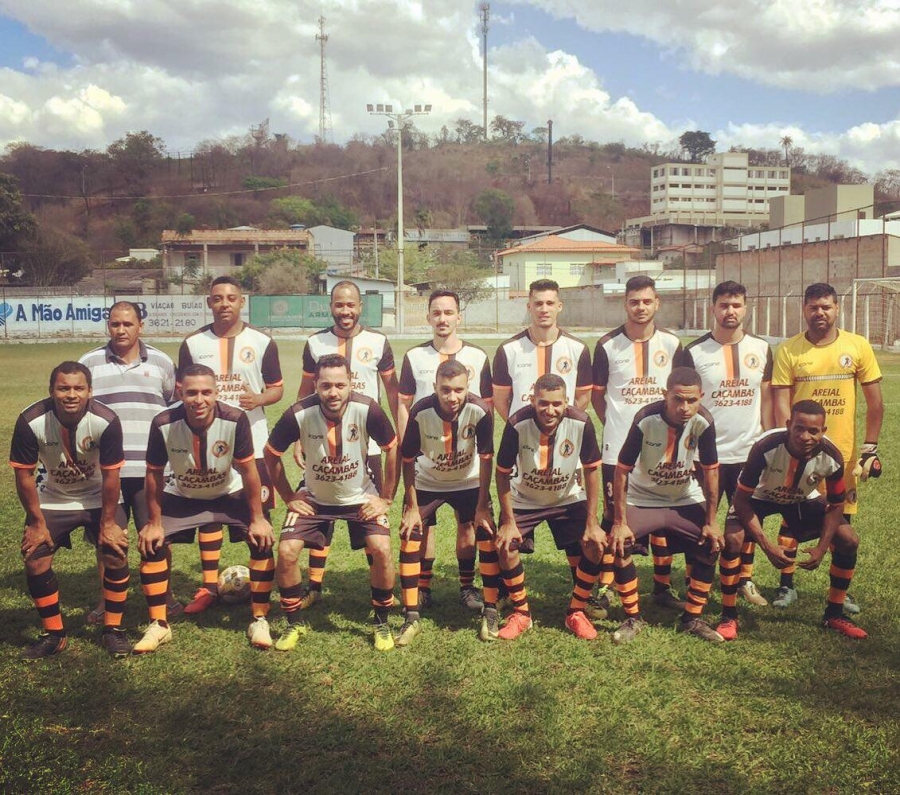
570	263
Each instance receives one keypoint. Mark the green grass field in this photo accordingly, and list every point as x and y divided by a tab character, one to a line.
787	708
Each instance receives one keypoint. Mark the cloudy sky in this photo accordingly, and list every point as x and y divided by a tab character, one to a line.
81	73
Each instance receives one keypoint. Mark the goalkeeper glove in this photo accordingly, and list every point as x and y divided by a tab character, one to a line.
869	464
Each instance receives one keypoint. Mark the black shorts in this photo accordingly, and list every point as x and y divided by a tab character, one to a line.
566	523
728	480
267	493
682	525
802	521
62	523
463	502
608	474
317	531
181	516
134	501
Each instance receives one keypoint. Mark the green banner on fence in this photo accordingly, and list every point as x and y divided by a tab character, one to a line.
307	311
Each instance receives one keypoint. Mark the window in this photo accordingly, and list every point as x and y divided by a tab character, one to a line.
576	269
544	269
655	172
237	260
773	174
783	174
711	172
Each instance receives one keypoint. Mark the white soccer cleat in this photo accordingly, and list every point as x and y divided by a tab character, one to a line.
155	636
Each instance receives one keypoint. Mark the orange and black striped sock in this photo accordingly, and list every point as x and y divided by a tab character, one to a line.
382	599
489	568
730	578
44	590
607	569
262	580
410	564
115	591
155	583
789	545
514	579
843	564
748	552
573	556
318	558
627	588
291	596
662	563
466	568
425	574
210	551
586	575
698	594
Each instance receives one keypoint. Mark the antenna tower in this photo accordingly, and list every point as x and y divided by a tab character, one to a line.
324	110
485	16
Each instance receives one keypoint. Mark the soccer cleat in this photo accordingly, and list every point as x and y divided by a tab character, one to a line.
425	599
154	637
728	628
291	636
258	634
310	598
115	641
850	606
751	594
668	599
96	616
700	629
490	624
44	646
628	630
174	609
203	600
515	625
785	597
384	640
846	627
408	632
580	625
597	607
470	598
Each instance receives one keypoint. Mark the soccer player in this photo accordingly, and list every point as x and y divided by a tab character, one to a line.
417	379
631	365
447	453
824	364
735	370
209	447
798	474
137	381
371	359
542	449
248	376
334	427
541	348
656	492
79	442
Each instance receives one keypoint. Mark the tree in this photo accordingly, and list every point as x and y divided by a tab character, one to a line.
184	224
495	208
135	157
15	222
507	129
53	259
467	132
457	271
697	144
787	142
270	272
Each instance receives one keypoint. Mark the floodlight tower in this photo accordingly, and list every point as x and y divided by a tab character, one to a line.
324	111
485	16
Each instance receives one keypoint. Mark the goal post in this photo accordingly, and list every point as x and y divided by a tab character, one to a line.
876	310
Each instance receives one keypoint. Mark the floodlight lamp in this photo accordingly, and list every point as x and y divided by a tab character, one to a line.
379	107
370	107
428	108
418	108
389	108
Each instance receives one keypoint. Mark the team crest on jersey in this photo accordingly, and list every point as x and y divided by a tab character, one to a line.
264	494
566	448
247	355
752	361
564	365
220	448
365	355
845	360
660	359
353	432
467	431
690	443
87	444
813	479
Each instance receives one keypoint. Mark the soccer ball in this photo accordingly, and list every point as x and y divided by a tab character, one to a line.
234	585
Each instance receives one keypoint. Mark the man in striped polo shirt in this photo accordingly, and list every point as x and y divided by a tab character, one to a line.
371	361
248	376
417	380
335	427
137	381
447	453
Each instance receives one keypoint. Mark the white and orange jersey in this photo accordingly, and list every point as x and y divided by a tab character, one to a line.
249	359
73	457
202	464
519	362
447	452
631	375
545	468
733	376
420	364
368	353
336	450
661	456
